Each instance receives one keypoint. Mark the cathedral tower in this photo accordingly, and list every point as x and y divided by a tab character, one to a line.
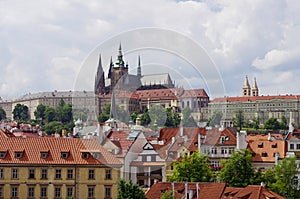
99	79
246	88
254	88
117	70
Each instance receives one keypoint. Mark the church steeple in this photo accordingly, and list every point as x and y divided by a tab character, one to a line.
99	79
255	88
139	70
120	61
246	88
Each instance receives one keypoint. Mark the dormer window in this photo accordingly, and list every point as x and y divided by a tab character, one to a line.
274	145
44	154
64	155
18	154
85	155
264	154
260	145
3	154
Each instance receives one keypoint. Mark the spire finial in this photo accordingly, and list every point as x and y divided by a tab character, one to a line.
139	70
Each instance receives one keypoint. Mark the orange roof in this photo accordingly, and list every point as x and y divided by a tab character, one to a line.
265	149
119	138
255	98
158	94
33	147
206	190
194	93
251	192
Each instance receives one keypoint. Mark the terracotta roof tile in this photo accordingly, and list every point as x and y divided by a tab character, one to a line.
255	98
32	148
265	149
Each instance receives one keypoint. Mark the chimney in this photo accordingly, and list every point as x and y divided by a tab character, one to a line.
238	141
181	130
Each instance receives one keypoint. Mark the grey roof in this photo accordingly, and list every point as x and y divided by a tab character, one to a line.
56	94
162	79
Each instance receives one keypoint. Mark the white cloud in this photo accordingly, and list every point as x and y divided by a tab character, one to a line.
53	37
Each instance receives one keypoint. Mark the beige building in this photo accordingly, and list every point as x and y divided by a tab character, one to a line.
81	100
38	168
254	105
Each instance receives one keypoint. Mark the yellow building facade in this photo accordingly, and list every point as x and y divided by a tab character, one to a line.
69	168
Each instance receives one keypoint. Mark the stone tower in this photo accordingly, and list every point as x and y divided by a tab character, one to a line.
99	79
139	70
255	88
117	70
246	88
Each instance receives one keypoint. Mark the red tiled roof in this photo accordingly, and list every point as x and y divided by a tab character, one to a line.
255	98
206	190
260	144
167	94
256	192
32	148
194	93
119	138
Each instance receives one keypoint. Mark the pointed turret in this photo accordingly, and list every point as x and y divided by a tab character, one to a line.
111	65
120	61
113	110
254	88
139	70
99	79
246	88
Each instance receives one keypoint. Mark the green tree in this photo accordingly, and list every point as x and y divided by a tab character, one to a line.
173	118
64	112
187	119
128	190
104	115
158	115
50	114
80	114
145	118
272	124
215	119
282	179
21	113
39	113
192	169
283	124
2	114
238	170
239	120
51	127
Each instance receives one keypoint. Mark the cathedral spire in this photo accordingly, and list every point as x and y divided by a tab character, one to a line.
113	110
111	65
246	88
254	88
139	70
99	79
120	61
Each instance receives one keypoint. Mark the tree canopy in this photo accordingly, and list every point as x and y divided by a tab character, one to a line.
238	170
239	120
129	190
195	168
187	119
21	113
215	119
282	180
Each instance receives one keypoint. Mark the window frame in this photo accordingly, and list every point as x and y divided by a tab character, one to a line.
108	174
58	174
30	174
44	174
14	173
91	174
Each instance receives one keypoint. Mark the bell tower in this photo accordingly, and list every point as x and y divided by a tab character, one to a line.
246	88
254	88
117	69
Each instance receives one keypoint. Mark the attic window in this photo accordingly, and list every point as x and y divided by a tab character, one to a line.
44	154
264	154
274	145
3	154
64	155
18	154
261	145
85	155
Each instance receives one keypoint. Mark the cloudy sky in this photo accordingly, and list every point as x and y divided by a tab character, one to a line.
45	45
